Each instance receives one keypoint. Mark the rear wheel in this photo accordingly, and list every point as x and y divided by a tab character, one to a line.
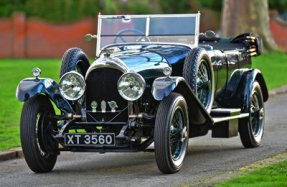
198	73
39	147
171	133
251	129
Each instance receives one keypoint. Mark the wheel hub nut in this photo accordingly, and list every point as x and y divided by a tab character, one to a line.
183	134
261	113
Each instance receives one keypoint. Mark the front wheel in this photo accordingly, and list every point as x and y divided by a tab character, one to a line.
39	147
171	133
251	129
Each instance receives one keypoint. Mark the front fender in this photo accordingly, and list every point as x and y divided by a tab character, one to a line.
163	86
29	87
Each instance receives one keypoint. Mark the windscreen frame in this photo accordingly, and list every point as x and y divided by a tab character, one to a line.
147	31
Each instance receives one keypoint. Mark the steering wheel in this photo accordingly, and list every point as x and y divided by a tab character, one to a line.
129	30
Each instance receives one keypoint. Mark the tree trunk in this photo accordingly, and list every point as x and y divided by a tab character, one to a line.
247	16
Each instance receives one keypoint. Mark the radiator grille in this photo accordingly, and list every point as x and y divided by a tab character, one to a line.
102	85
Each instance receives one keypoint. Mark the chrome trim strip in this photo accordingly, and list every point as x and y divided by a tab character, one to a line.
197	29
99	35
108	62
147	26
150	15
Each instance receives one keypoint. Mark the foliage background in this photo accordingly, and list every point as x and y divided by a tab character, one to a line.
69	10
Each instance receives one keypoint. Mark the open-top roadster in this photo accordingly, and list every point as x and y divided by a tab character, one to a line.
155	79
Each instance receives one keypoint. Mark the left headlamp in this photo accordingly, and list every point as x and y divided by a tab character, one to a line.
72	85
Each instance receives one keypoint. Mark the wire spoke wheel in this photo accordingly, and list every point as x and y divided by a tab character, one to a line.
171	133
202	84
251	129
177	144
256	112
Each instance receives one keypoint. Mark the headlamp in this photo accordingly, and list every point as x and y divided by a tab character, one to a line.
131	86
72	85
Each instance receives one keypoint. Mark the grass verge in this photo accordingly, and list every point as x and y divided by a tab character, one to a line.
273	175
12	71
273	67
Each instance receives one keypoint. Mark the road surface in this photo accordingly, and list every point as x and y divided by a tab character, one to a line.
206	157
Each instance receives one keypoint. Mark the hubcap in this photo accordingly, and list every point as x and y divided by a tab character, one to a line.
178	135
203	82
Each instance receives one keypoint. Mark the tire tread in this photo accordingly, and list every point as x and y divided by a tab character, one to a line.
69	60
163	115
190	67
32	158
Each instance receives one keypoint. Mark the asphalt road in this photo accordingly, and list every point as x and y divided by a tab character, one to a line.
205	157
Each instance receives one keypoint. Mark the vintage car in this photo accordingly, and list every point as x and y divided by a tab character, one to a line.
156	79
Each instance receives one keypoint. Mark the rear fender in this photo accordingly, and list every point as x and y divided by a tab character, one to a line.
29	87
163	86
241	93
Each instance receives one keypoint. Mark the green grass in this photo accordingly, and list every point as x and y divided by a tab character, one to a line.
12	71
274	175
273	67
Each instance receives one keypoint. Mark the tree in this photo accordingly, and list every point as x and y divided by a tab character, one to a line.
247	16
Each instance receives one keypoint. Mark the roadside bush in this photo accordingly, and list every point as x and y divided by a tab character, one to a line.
69	10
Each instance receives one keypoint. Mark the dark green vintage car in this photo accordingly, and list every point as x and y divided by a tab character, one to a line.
155	79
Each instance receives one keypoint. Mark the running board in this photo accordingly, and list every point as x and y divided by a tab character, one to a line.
226	122
220	119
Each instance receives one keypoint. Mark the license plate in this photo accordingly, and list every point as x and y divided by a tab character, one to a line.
89	139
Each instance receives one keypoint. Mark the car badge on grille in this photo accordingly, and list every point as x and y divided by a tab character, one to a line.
113	105
103	106
94	106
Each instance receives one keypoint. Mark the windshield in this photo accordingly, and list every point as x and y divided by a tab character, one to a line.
180	28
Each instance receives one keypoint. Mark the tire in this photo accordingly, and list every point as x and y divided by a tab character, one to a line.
74	59
170	156
36	155
198	72
251	129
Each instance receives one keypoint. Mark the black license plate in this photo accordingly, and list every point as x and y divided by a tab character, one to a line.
89	139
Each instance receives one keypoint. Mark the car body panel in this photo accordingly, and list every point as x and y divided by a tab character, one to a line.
149	56
240	86
29	87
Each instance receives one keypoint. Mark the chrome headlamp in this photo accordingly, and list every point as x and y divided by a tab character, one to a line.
72	85
131	86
